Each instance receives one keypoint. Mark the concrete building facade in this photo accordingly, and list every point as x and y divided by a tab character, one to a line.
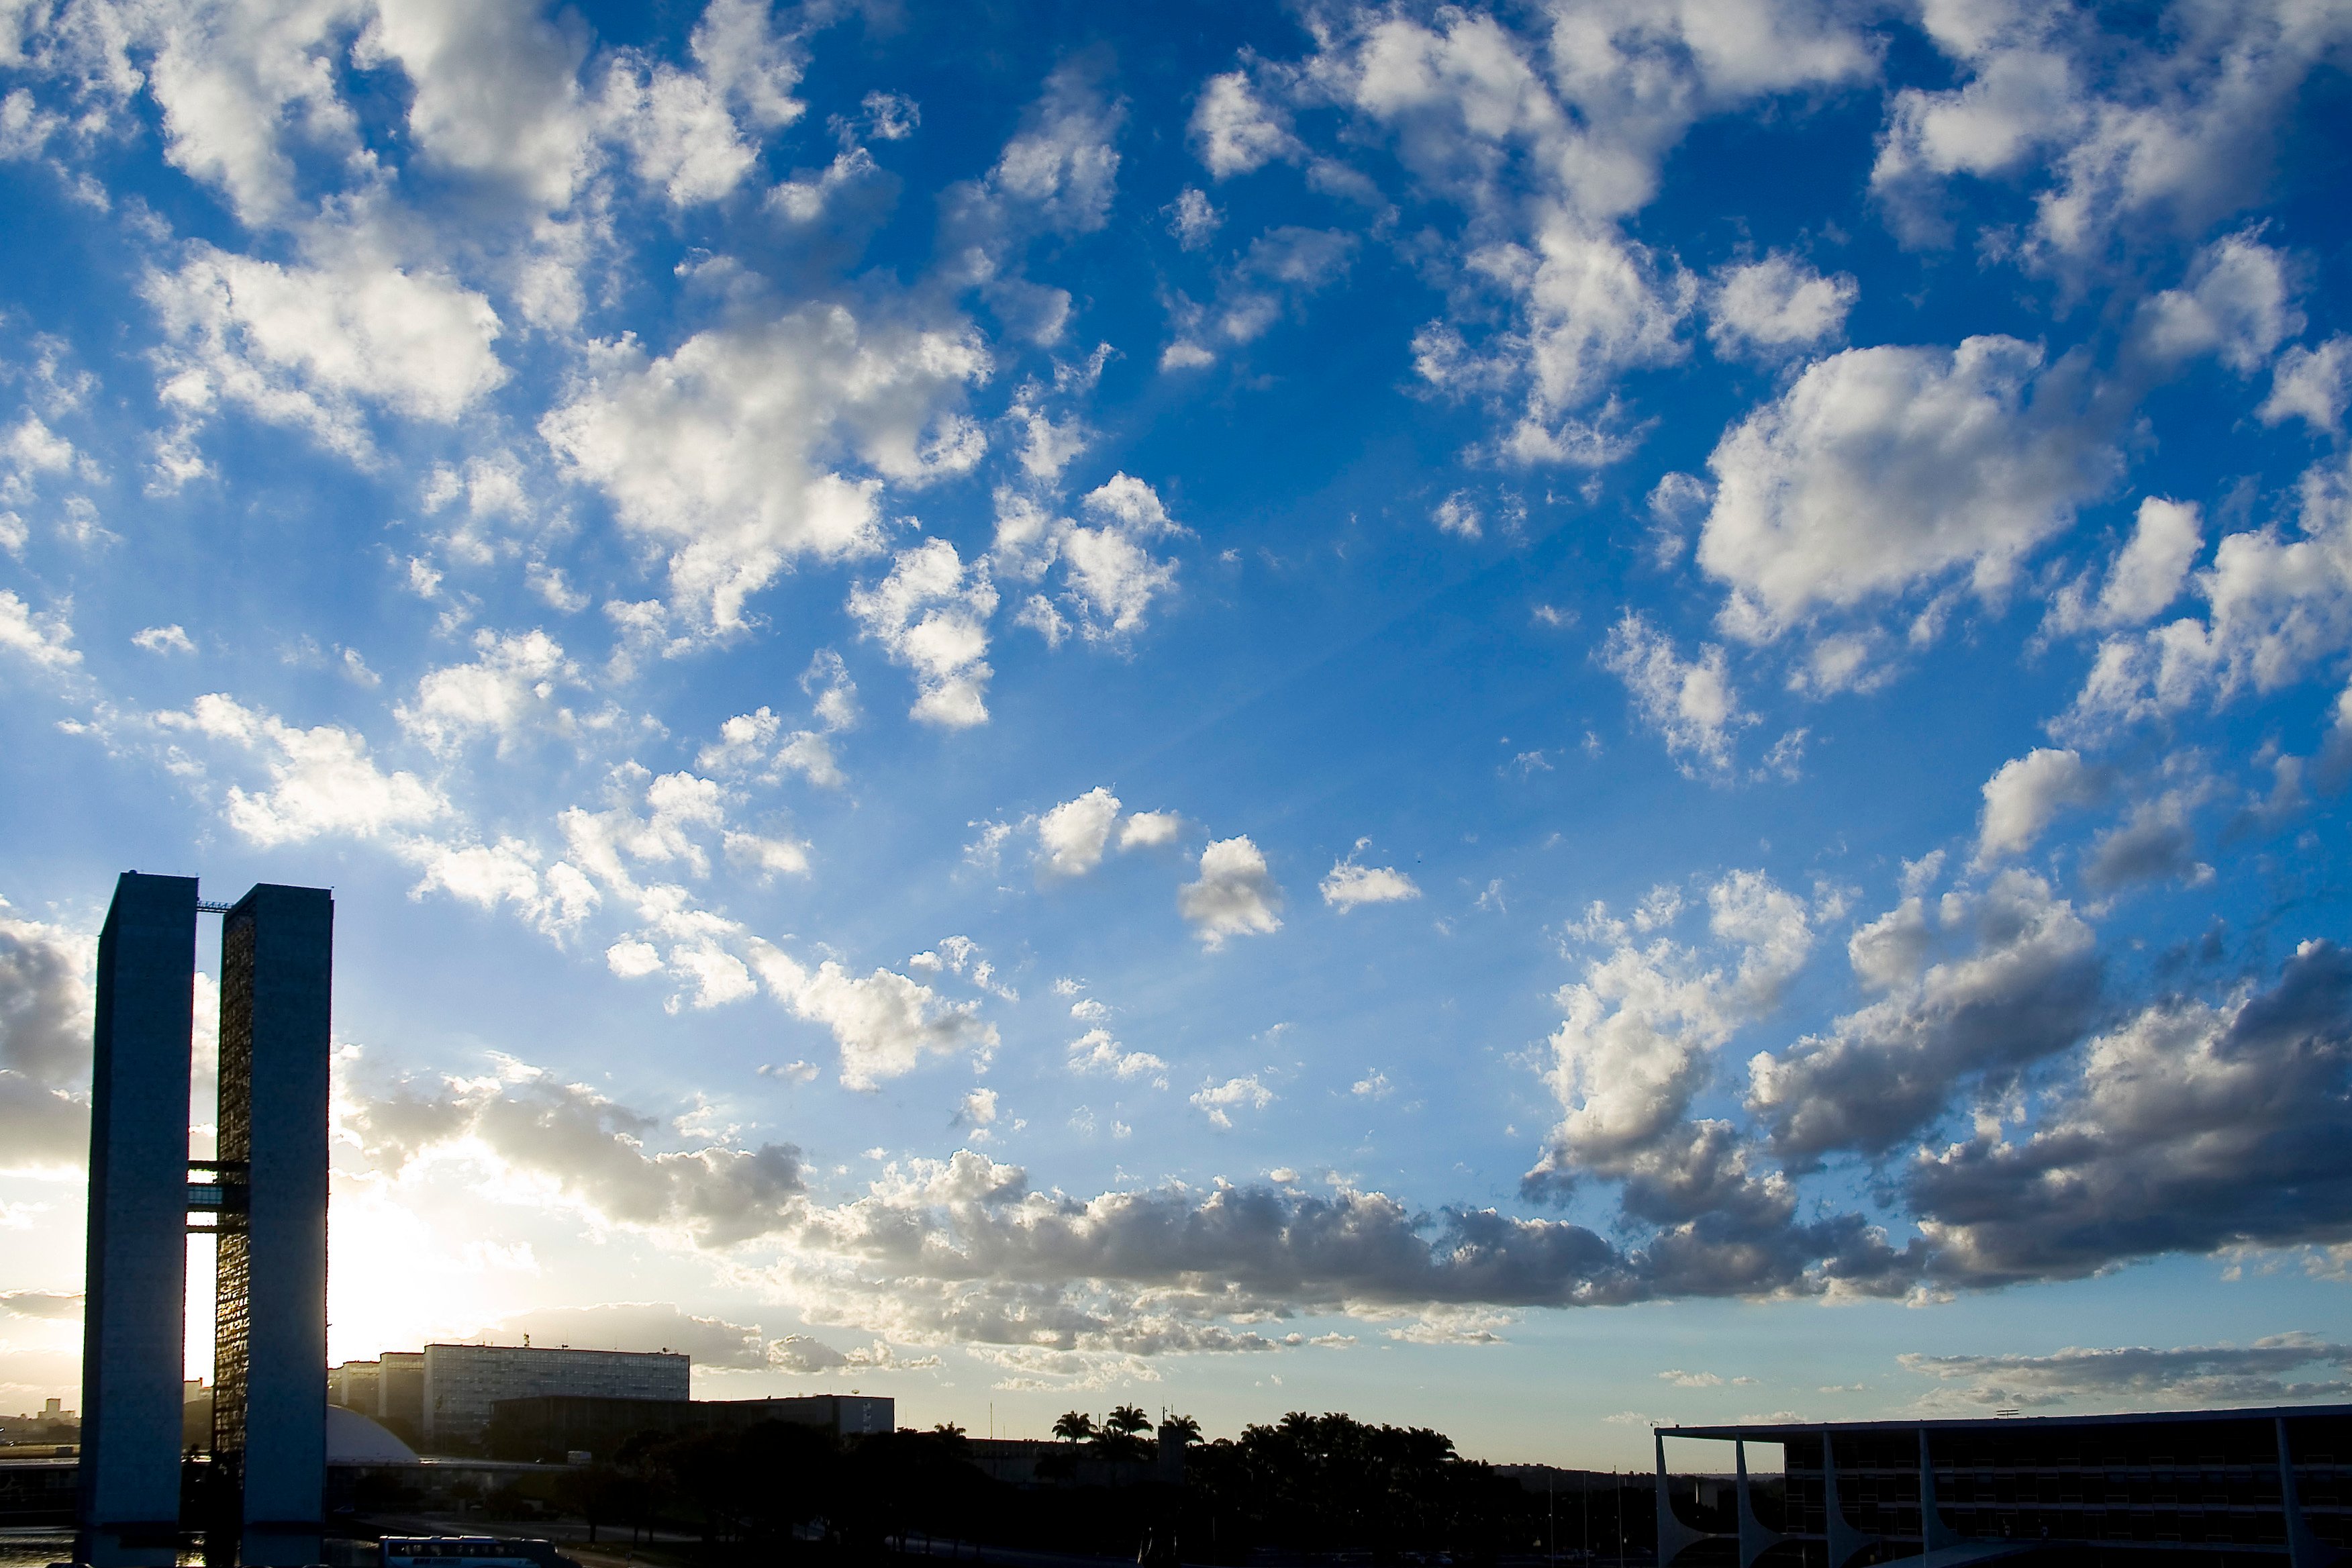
269	1323
265	1195
463	1382
136	1279
2184	1489
549	1427
388	1390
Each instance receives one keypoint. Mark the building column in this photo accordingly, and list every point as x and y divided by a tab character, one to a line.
136	1277
270	1421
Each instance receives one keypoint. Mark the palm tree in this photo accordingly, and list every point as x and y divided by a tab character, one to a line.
1127	1420
1179	1429
1073	1426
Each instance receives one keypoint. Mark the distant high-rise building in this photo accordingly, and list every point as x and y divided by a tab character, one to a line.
462	1382
266	1194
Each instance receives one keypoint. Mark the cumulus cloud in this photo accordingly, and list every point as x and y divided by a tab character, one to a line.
931	613
1072	836
1109	576
321	780
542	1139
43	637
884	1023
52	1305
2122	138
45	1041
2237	304
2275	603
1220	1100
1096	1052
310	345
1640	1029
2146	575
167	640
1776	306
1546	144
2311	384
507	691
2190	1126
2025	794
727	451
2185	1377
1690	702
1235	131
1349	884
1235	896
1150	829
1972	990
1883	467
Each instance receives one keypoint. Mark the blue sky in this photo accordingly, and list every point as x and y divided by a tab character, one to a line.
1528	718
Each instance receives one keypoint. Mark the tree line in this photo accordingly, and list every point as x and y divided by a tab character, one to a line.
1305	1484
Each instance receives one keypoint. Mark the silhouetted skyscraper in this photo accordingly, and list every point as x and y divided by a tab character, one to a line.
136	1280
267	1192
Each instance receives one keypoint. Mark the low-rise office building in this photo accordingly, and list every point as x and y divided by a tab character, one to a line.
389	1391
2197	1489
462	1383
557	1426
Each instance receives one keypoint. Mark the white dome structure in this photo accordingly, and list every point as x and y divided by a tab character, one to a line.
353	1439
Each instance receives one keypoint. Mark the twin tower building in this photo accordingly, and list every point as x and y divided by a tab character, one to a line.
264	1196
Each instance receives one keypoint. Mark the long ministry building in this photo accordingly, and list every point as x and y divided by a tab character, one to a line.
263	1198
441	1398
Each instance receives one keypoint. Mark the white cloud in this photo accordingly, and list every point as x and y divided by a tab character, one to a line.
884	1024
173	639
1457	514
676	126
2127	137
1349	884
931	613
307	345
1063	165
1096	1052
507	689
321	780
1220	1100
2024	794
2311	384
2236	303
2147	574
1071	838
1638	1038
1192	218
535	1139
1150	829
717	450
1109	576
1235	896
43	636
2276	605
1690	703
497	93
1776	306
1233	130
1882	467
